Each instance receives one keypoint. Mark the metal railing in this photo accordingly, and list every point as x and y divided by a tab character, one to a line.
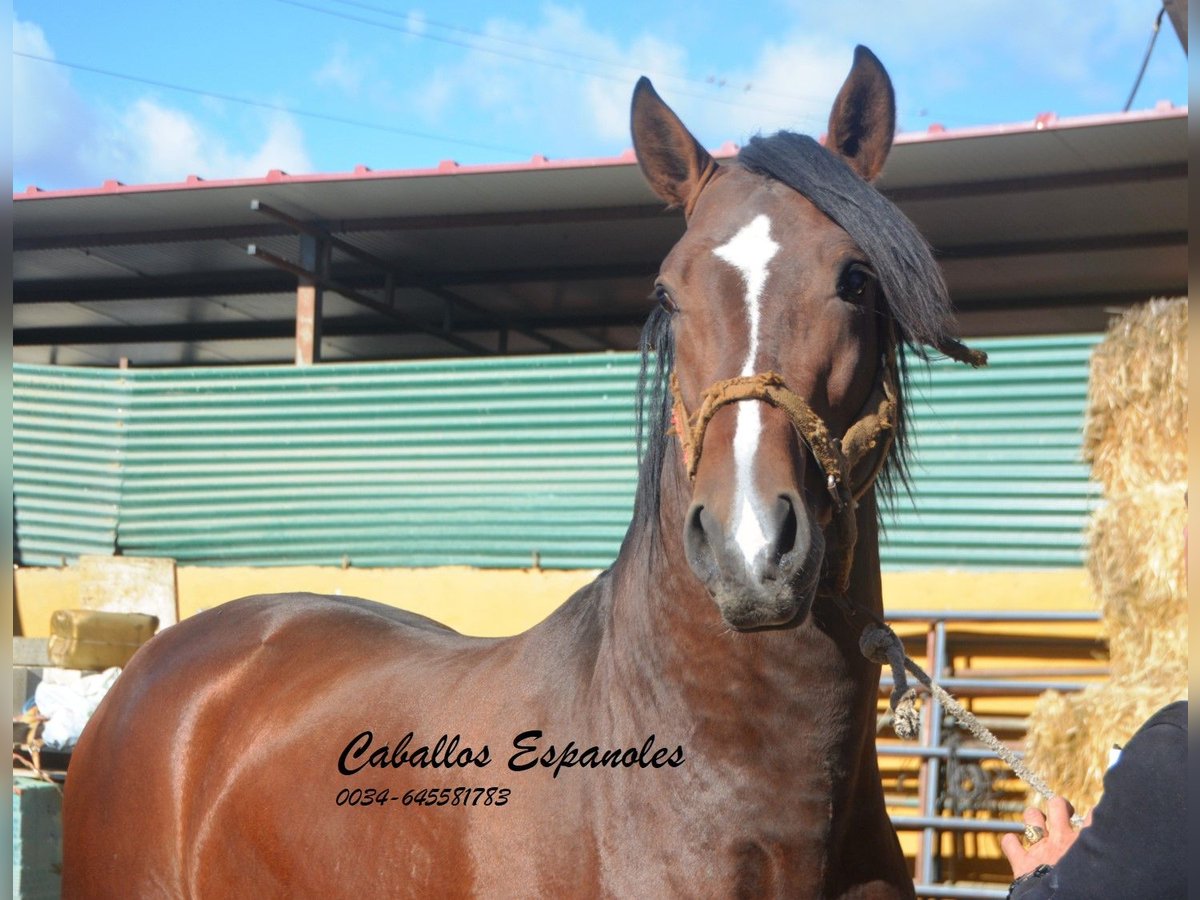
932	750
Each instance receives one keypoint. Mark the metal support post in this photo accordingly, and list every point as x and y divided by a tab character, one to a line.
931	736
314	257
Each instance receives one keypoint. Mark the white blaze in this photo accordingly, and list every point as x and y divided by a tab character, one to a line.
750	251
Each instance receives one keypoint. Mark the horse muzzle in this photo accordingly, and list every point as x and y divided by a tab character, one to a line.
764	568
763	573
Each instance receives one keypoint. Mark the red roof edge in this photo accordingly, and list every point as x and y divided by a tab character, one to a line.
935	132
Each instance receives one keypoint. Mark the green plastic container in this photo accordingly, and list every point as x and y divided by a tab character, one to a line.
37	840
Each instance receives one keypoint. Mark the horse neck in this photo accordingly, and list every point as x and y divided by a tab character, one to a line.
672	652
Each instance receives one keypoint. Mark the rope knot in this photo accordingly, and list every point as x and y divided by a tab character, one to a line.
877	643
905	719
881	645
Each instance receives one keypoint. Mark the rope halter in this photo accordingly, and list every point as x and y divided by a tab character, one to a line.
850	463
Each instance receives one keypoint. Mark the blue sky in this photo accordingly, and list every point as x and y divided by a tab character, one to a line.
486	83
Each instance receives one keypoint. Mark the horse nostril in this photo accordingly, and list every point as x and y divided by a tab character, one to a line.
787	528
697	542
694	530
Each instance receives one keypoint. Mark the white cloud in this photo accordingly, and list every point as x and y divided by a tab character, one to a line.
283	148
161	144
61	141
960	63
575	94
552	94
973	53
416	22
48	115
792	84
607	101
578	97
342	70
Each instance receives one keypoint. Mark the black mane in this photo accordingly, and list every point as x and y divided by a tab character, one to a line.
657	346
916	299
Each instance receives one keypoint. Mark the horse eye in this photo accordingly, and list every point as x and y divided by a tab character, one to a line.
663	296
853	284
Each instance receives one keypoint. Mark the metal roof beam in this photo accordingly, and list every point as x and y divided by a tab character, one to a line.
65	335
223	284
1097	244
233	284
248	232
1041	302
369	302
258	329
511	218
251	231
392	275
1035	183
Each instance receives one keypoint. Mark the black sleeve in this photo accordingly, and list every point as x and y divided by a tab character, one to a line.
1136	846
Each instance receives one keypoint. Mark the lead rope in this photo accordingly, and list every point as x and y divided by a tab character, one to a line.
880	644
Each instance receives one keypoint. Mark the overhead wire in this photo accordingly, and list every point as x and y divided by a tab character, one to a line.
627	67
547	63
1145	59
467	44
276	107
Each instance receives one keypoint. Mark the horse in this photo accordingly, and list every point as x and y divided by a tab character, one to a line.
698	721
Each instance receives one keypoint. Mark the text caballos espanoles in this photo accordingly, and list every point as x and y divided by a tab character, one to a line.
449	752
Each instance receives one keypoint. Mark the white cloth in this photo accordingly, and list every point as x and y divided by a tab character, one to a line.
69	706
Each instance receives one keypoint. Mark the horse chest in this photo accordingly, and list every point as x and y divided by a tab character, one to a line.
736	863
727	837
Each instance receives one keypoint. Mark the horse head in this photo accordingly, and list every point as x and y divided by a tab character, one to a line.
782	340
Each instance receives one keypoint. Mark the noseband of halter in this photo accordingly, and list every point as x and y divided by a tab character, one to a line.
866	441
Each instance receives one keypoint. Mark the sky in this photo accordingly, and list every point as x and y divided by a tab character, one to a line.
146	91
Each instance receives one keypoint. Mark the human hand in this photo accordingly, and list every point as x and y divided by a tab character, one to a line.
1058	836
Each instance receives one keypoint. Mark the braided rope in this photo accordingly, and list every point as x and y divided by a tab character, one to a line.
880	644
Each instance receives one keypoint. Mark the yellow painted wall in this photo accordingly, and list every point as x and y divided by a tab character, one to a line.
39	592
492	602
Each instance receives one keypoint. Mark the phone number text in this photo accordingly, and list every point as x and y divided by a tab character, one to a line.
457	796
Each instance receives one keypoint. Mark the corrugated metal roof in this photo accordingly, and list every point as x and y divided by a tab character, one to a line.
491	462
1043	226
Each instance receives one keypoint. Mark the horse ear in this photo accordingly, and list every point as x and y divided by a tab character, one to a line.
673	162
863	119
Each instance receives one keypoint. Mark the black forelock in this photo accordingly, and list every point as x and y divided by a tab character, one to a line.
912	283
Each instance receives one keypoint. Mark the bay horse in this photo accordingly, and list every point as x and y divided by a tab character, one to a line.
697	722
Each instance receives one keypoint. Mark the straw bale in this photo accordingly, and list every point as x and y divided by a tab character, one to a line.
1135	436
1135	429
1070	735
1140	445
1138	572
